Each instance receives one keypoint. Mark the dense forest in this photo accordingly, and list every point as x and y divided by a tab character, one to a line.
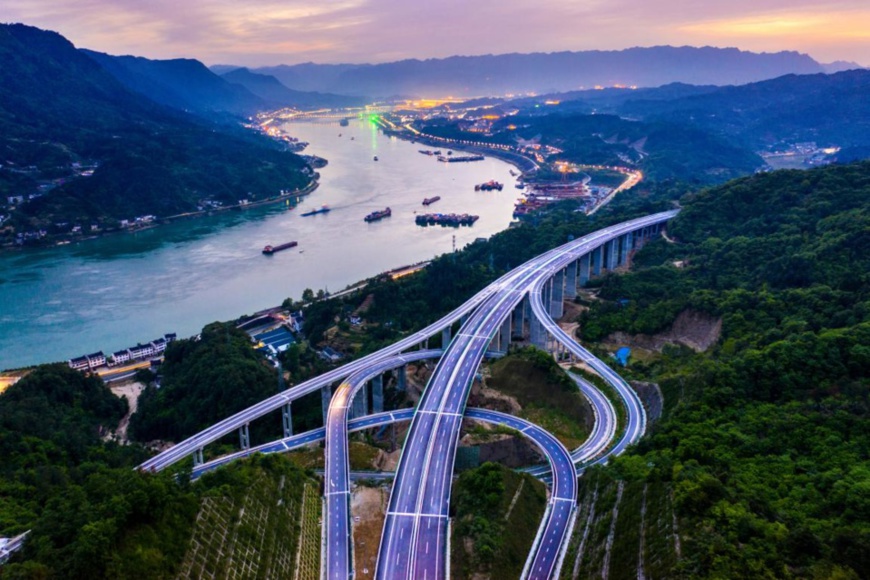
766	438
204	379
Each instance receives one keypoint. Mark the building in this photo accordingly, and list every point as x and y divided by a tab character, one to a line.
121	356
81	363
159	345
97	359
331	354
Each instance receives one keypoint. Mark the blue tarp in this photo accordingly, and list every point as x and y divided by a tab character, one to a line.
622	355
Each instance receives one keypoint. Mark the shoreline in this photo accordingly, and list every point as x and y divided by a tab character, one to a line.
521	162
63	241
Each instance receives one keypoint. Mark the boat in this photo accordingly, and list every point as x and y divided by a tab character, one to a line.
269	249
324	209
459	158
446	219
378	215
491	185
430	200
344	123
375	158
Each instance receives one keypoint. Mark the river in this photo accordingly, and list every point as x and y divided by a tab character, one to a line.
112	292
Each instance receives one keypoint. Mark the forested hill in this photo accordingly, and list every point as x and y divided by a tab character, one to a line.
62	115
830	109
765	443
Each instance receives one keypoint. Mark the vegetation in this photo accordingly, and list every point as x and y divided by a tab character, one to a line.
205	379
499	530
547	396
765	438
663	150
58	107
91	514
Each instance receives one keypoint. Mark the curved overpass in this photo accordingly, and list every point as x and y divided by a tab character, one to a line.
417	514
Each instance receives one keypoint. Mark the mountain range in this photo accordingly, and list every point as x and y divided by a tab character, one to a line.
60	110
545	72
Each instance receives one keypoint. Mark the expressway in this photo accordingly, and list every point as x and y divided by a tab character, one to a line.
242	418
414	536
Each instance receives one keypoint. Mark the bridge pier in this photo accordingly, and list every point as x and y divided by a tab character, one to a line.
558	288
571	281
402	378
360	405
325	398
244	437
287	420
518	318
612	254
597	255
625	247
197	457
378	394
584	269
538	335
445	337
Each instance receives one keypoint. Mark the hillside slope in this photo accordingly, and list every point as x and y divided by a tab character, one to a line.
82	150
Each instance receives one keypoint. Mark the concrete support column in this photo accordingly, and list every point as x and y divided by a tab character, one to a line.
518	321
378	394
597	257
402	378
626	247
583	276
360	405
504	335
445	337
463	319
244	437
197	457
555	305
325	398
287	420
538	333
612	254
571	281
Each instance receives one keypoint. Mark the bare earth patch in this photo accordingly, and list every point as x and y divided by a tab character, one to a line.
367	506
693	329
131	392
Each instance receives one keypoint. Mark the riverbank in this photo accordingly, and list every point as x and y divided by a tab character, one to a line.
521	162
62	240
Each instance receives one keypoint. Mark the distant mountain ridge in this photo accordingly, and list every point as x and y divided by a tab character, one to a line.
179	83
545	72
271	91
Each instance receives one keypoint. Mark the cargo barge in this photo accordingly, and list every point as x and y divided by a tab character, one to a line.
324	209
491	185
431	200
269	249
378	215
460	158
446	219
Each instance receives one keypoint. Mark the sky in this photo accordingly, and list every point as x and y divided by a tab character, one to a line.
271	32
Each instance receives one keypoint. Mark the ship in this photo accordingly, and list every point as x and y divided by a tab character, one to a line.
324	209
460	158
375	158
269	249
446	219
344	123
491	185
378	215
430	200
